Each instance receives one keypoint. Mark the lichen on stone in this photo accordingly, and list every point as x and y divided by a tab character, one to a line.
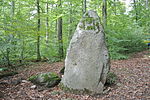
88	20
75	91
90	27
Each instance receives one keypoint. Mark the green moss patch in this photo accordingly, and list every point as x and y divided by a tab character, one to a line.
7	73
111	78
90	28
49	79
75	91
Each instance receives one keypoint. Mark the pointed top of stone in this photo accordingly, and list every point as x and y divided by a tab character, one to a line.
90	22
91	13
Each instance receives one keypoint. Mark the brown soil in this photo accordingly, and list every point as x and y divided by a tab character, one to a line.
133	82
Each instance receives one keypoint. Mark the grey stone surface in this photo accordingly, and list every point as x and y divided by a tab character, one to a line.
87	59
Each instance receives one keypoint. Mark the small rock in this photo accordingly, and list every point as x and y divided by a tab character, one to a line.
16	81
49	79
1	94
67	99
119	84
50	99
106	91
25	81
33	87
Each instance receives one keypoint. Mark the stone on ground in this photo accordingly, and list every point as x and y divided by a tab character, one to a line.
46	79
87	59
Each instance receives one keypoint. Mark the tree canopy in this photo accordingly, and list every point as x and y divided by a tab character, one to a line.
42	29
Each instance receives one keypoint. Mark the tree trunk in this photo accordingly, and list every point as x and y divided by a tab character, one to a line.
147	4
70	23
84	6
59	32
115	11
12	8
136	13
104	13
38	33
7	56
47	24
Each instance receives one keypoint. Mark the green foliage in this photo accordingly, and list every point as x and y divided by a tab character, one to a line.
111	78
18	29
3	69
32	78
75	91
124	37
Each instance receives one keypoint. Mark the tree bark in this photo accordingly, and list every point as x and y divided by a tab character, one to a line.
59	32
84	6
12	8
136	13
47	24
147	4
38	33
115	11
104	13
70	23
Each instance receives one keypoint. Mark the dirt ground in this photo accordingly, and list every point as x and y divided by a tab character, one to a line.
133	82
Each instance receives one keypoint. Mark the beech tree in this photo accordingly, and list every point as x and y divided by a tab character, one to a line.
43	28
38	32
104	13
59	30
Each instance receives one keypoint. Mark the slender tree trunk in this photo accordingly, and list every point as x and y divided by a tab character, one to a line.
22	51
7	56
47	24
56	23
136	13
38	33
115	11
59	30
104	13
12	8
70	23
147	4
84	6
12	12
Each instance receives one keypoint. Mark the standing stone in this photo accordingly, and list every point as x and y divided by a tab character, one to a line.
87	59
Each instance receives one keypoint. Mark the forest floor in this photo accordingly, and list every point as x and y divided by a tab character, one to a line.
133	82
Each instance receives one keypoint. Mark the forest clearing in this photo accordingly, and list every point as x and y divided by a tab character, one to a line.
75	50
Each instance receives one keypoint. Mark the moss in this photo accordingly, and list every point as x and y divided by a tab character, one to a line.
97	24
88	20
86	14
49	77
111	78
75	91
81	26
90	28
46	79
4	69
32	78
